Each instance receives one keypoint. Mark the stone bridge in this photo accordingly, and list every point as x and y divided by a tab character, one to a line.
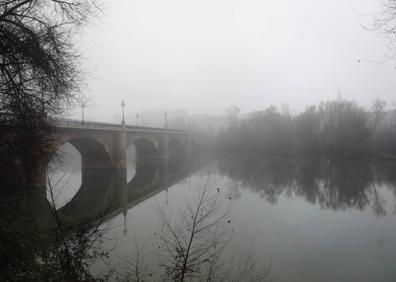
104	145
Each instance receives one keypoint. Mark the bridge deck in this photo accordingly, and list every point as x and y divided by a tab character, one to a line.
94	125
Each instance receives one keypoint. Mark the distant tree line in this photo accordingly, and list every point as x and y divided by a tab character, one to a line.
340	129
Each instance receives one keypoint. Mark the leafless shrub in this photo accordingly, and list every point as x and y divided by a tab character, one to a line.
191	245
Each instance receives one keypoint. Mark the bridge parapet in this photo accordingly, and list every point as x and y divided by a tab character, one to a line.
73	123
79	124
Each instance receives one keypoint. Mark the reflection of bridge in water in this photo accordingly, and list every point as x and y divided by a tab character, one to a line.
163	157
106	192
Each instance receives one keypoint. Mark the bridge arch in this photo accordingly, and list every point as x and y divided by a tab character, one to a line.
94	155
80	165
63	175
145	149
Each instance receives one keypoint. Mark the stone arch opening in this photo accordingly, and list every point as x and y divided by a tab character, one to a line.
81	170
93	154
145	149
64	175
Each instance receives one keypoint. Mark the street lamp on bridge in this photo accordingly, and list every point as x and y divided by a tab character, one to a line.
137	119
123	106
83	106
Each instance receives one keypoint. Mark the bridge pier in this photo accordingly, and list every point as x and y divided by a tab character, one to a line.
163	146
120	147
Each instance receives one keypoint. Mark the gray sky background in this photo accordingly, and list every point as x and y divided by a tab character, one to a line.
205	55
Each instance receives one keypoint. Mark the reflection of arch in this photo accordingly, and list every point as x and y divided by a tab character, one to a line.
108	194
93	197
146	172
145	149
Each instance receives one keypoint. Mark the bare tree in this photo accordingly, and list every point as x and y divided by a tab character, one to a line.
39	75
191	245
38	65
136	268
384	23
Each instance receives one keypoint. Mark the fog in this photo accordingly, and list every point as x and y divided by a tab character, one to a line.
264	147
202	56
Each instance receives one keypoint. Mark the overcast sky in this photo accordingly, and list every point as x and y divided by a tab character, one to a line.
205	55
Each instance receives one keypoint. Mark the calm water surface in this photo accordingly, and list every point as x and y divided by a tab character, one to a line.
310	220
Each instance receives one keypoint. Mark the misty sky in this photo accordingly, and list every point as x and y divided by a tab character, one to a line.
205	55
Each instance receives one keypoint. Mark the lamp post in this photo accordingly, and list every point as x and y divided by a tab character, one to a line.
137	119
165	122
83	106
123	106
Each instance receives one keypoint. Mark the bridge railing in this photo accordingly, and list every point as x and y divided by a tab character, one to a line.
73	123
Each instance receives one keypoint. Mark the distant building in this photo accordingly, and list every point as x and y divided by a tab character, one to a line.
285	109
339	96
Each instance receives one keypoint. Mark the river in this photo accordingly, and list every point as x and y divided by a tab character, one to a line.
307	220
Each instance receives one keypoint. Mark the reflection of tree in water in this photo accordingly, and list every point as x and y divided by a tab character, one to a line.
337	185
384	175
269	179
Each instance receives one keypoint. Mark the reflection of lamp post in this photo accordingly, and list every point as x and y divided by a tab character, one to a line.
123	106
137	120
165	122
125	230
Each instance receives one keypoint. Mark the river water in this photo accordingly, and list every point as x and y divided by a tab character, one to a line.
308	220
